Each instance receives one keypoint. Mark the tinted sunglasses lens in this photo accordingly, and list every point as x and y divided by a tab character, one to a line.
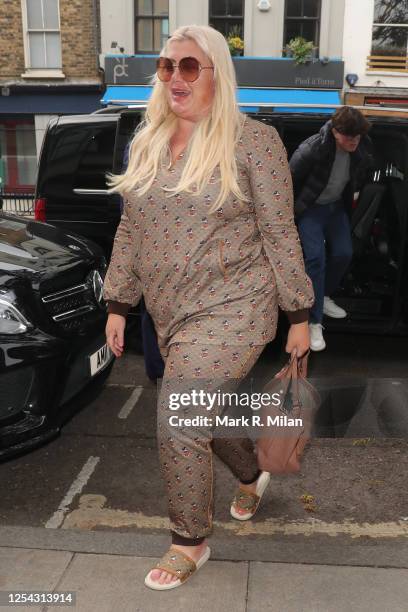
164	68
189	69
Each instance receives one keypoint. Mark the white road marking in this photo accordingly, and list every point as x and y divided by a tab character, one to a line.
130	403
75	489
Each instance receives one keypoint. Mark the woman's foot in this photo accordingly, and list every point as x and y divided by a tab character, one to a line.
194	552
248	497
248	488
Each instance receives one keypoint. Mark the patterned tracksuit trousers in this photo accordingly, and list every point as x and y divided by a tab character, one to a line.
186	452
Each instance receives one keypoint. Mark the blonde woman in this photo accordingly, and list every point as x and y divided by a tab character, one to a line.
207	236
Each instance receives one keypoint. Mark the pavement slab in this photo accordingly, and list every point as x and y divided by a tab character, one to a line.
106	583
31	570
313	588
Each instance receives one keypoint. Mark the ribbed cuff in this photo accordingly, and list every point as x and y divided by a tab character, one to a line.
182	541
297	316
246	482
119	308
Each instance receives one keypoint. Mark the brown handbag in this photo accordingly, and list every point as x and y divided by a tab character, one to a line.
283	439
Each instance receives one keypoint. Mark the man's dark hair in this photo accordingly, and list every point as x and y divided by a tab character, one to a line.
350	121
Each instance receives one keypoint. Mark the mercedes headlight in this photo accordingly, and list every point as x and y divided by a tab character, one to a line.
11	319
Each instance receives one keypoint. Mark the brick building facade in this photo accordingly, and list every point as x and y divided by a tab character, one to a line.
80	38
49	65
11	31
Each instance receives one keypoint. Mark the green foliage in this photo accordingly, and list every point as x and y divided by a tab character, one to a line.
301	49
234	40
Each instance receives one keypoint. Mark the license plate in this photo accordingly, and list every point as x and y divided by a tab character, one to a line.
100	359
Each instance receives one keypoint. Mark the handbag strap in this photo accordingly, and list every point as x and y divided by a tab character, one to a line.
298	365
296	369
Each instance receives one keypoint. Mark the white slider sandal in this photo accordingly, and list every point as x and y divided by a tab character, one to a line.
178	564
249	501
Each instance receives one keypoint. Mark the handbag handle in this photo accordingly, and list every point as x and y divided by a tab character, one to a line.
296	368
299	364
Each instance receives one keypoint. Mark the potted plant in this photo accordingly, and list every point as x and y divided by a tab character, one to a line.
235	42
300	49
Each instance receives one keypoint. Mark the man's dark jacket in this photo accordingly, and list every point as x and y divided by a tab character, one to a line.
312	162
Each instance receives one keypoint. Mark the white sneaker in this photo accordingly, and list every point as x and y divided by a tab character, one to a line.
330	309
317	342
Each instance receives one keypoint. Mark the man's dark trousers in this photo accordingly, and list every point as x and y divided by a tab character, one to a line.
324	231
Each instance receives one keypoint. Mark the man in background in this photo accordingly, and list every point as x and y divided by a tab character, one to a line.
327	169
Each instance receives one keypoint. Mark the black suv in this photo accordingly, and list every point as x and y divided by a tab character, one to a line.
52	320
79	150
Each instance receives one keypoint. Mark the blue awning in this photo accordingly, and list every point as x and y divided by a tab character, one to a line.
126	94
249	99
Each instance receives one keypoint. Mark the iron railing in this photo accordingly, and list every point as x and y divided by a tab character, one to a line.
17	203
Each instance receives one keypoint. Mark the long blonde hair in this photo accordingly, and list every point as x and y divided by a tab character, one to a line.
214	138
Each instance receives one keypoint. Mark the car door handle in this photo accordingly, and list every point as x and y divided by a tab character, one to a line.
91	191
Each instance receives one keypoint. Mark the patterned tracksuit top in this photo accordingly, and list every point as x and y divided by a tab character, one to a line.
214	278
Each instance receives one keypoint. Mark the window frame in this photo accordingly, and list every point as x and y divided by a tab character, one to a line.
316	19
51	71
227	17
151	18
381	62
388	25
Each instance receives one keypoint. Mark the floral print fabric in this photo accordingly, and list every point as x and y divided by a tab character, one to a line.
214	278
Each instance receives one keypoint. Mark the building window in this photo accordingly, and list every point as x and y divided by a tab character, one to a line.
302	18
43	34
152	25
390	28
227	16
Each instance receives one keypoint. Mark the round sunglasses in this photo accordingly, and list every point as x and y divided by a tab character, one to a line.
189	68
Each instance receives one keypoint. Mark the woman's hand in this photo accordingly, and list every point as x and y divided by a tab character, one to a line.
115	331
298	339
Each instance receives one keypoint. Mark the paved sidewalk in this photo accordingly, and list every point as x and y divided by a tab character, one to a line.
106	570
107	583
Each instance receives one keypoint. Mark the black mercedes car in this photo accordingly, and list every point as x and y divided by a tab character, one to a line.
52	320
